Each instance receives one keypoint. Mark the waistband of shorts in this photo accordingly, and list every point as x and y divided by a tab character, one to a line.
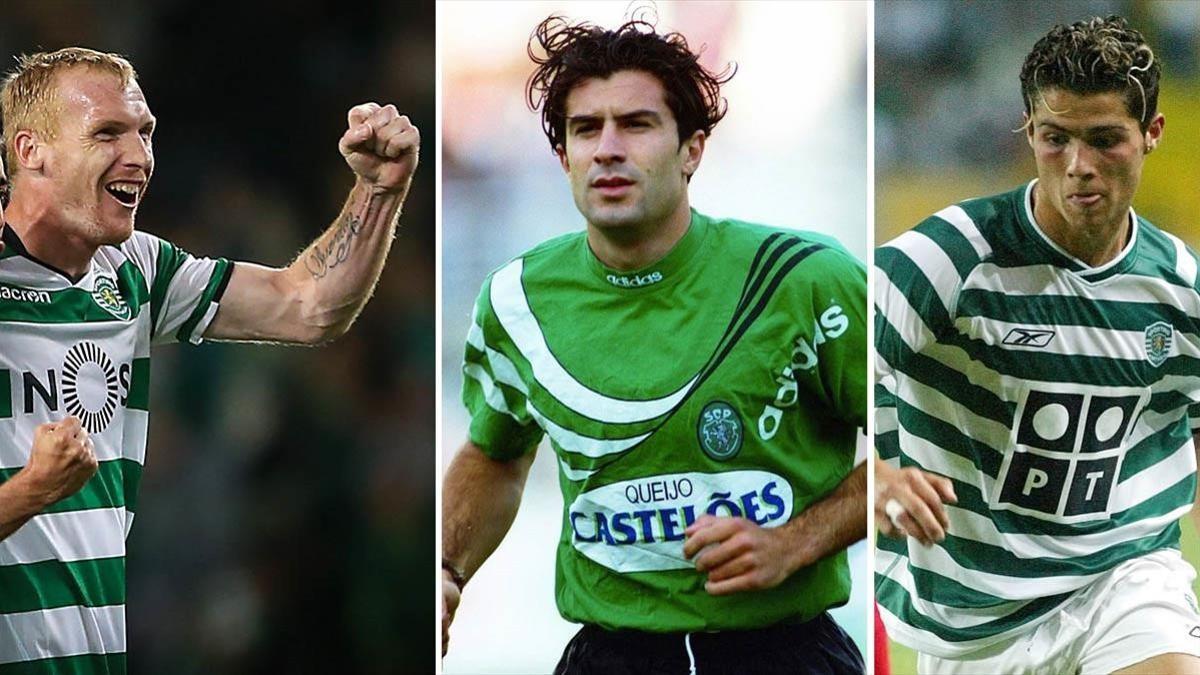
791	632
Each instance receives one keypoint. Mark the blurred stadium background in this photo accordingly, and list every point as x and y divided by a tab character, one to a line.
947	99
791	152
287	520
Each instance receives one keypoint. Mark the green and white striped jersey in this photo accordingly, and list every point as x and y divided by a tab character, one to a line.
83	349
727	378
1059	398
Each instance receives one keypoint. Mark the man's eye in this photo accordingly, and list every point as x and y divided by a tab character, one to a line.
1105	142
1056	139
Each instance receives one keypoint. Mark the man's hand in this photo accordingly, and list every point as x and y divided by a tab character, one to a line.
61	461
917	498
450	599
381	146
737	554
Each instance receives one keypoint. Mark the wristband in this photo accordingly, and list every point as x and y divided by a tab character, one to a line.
456	574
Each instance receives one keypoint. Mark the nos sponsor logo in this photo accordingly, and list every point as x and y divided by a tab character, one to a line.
637	525
89	385
1067	451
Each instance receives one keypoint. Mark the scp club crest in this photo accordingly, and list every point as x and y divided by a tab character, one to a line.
1158	342
719	430
109	298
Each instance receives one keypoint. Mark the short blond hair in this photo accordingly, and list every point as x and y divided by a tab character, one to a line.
29	100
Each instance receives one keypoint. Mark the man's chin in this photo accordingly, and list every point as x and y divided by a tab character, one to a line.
114	234
614	218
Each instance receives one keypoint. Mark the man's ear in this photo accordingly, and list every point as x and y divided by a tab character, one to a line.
1154	132
29	150
562	157
694	147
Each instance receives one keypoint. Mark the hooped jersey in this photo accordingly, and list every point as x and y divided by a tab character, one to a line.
1059	398
727	379
83	349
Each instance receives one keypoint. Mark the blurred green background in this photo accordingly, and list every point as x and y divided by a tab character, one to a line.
947	102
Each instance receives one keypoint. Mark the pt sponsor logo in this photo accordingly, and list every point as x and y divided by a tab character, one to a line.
830	325
1066	451
1158	342
719	430
90	387
1028	337
637	525
108	297
16	294
634	280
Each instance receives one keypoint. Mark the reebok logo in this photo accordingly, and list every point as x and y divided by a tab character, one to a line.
1028	337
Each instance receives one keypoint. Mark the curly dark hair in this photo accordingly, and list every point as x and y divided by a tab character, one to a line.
576	52
1093	56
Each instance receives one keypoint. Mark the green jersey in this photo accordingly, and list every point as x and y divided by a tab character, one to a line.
1058	397
728	378
82	348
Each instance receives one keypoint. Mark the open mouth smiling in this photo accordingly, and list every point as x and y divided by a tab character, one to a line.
125	192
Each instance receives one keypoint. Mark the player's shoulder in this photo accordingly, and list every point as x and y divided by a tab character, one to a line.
959	237
743	239
1165	256
555	256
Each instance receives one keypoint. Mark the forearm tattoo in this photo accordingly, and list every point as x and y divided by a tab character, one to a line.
328	256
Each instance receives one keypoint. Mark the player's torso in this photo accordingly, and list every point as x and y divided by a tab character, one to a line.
672	401
1081	381
73	349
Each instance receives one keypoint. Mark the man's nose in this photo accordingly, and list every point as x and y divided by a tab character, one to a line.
138	152
1081	160
611	147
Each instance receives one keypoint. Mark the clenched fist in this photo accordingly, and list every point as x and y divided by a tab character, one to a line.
62	460
381	147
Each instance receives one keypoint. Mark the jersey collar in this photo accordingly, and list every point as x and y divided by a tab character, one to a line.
1119	264
13	247
657	274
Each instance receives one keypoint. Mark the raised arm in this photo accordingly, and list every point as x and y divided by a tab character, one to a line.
318	296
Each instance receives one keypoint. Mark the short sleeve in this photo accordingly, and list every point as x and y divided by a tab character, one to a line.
493	391
185	291
836	311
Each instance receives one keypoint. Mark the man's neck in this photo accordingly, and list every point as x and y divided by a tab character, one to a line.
1093	246
44	240
632	248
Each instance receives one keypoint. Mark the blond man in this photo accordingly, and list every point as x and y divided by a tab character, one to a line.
83	296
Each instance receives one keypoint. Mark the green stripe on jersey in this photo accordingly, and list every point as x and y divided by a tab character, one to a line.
84	664
51	584
114	485
1053	395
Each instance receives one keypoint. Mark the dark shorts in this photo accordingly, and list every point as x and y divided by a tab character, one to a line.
816	647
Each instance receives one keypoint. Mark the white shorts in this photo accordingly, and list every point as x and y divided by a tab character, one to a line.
1143	608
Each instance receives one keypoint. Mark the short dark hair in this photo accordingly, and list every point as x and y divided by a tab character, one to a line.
576	52
1092	56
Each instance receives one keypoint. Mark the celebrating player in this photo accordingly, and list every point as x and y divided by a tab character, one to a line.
83	296
700	381
1038	359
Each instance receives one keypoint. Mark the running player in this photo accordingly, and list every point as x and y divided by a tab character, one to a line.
83	296
1038	358
700	381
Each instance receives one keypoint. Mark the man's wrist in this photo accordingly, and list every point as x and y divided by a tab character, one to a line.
26	493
